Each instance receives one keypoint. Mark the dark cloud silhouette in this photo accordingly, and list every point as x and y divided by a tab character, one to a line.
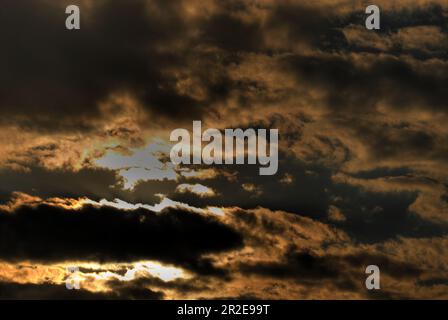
50	234
343	272
95	184
370	216
350	87
46	183
47	291
51	72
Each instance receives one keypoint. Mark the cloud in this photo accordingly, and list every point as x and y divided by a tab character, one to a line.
112	59
335	214
49	233
251	188
279	254
60	292
85	116
199	189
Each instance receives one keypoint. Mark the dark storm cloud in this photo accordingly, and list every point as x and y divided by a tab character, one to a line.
49	291
91	183
47	233
232	34
52	72
311	25
344	272
322	28
370	216
139	287
303	265
432	14
307	197
350	87
134	290
131	46
123	46
95	184
373	217
386	140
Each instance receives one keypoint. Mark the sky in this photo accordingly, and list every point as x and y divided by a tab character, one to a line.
86	178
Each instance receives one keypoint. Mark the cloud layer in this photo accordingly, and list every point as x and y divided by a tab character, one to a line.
85	118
